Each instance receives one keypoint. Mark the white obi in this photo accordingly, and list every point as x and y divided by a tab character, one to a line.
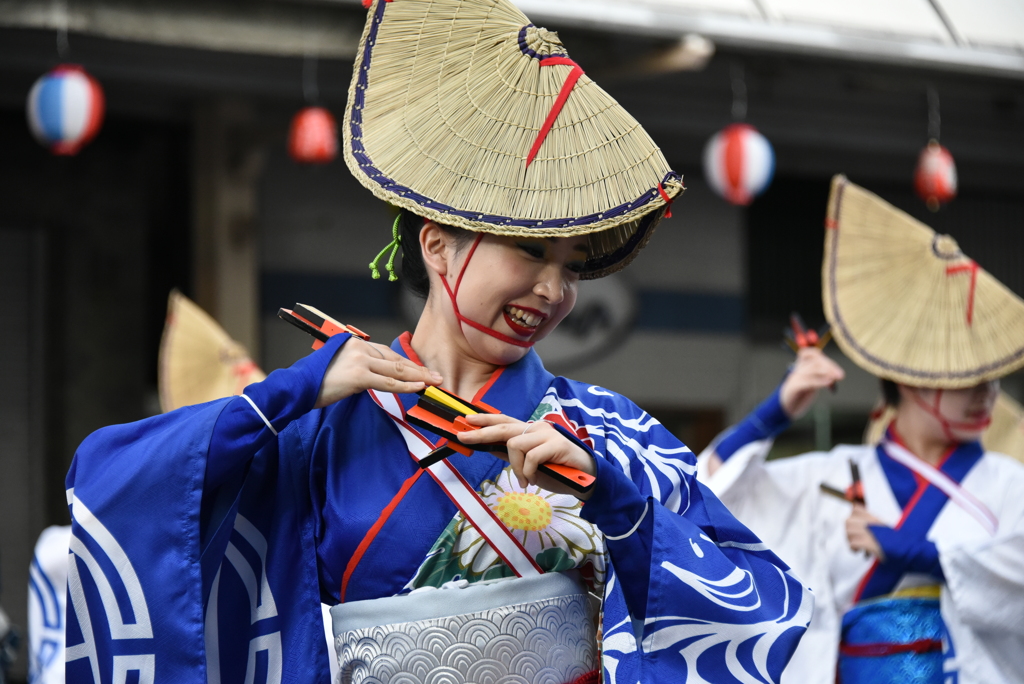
535	630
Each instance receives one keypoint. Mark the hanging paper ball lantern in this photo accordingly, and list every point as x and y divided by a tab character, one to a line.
739	163
313	138
65	109
935	177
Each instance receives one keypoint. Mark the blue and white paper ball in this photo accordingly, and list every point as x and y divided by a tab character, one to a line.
65	109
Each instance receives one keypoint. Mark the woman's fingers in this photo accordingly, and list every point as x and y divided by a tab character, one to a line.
402	369
387	383
821	375
533	438
827	369
813	371
528	446
518	446
813	363
403	365
523	436
496	432
361	365
859	535
515	459
545	452
483	419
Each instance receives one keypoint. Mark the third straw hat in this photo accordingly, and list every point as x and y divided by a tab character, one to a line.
907	305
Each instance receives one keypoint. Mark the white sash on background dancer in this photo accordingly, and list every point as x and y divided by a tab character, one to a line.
957	494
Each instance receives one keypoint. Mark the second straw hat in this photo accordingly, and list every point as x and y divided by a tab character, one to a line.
199	361
465	113
907	305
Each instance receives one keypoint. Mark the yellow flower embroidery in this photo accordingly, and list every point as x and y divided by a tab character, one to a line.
548	526
524	511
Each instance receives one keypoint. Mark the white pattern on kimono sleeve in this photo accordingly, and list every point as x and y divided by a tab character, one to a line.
780	502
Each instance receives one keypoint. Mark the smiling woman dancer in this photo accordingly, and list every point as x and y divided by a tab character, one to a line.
922	579
206	539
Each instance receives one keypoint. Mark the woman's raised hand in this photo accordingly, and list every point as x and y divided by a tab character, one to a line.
362	365
811	372
858	532
528	446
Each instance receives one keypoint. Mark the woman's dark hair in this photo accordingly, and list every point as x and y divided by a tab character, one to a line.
414	272
891	393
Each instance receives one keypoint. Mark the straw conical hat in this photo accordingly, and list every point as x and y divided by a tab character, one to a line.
446	118
199	362
1005	435
907	305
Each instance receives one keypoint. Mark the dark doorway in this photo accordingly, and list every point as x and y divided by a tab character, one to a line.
90	246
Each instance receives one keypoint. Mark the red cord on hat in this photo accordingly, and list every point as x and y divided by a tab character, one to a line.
556	108
971	268
668	200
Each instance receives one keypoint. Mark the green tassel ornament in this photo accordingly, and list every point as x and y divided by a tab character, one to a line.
396	242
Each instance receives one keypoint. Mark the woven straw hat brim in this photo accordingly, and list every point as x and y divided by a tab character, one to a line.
1004	436
1006	433
199	362
901	301
446	101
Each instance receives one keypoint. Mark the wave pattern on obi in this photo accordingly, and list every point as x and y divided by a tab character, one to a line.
542	642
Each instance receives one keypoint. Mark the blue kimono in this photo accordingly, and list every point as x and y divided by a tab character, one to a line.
204	540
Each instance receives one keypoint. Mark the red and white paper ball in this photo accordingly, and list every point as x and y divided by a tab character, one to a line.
65	109
739	163
313	138
935	177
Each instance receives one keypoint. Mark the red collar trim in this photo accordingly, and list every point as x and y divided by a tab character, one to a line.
405	339
479	396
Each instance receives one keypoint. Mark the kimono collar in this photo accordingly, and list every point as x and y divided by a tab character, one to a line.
921	501
955	463
515	390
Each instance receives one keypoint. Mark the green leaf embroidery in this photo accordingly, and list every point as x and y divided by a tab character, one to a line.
541	411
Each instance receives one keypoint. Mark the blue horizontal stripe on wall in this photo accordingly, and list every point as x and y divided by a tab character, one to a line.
344	296
338	296
673	310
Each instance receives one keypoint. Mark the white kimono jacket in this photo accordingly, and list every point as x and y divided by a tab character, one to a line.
983	598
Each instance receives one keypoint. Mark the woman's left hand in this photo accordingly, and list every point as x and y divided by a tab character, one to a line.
859	535
528	446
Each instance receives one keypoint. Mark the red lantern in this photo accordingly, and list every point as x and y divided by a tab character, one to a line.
313	138
935	177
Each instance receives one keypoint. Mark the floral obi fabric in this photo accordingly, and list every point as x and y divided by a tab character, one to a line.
547	525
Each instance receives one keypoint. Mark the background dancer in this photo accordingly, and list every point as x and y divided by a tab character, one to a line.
918	569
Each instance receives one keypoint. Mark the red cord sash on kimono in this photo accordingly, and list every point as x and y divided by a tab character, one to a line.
479	515
936	486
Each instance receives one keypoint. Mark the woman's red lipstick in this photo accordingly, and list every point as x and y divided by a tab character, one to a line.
522	330
516	328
